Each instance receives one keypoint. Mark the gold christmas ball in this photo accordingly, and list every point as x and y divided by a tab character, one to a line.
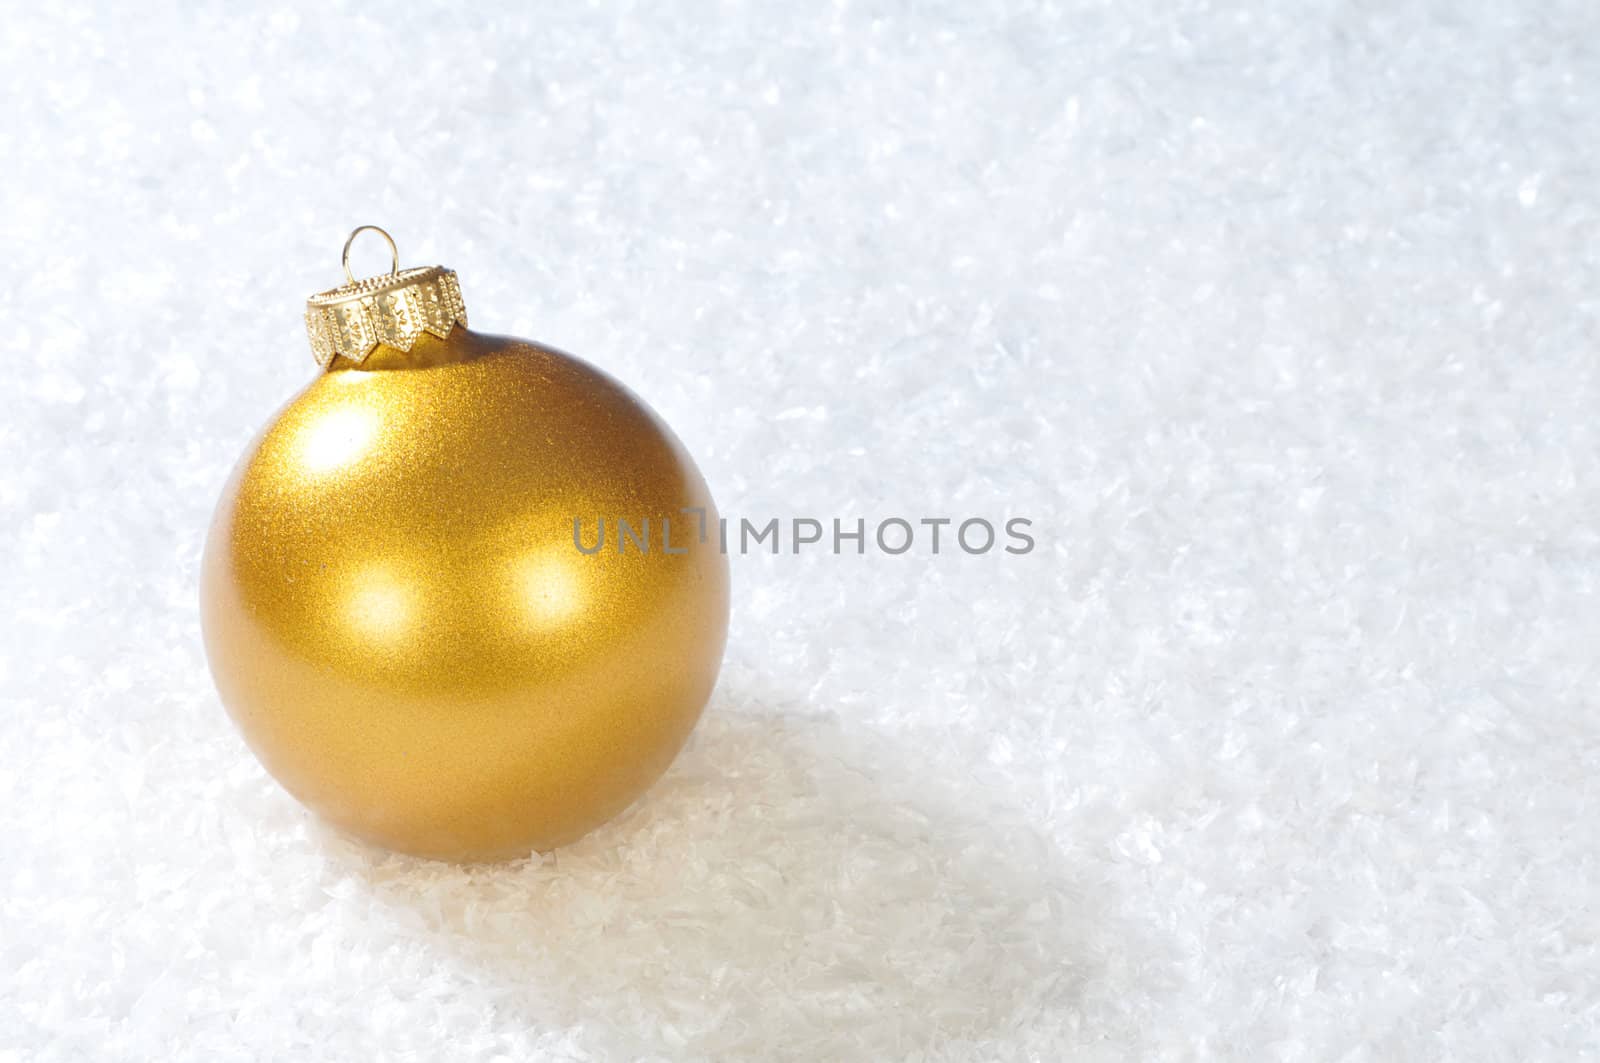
402	602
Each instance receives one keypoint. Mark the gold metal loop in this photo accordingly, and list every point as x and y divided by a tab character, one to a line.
394	252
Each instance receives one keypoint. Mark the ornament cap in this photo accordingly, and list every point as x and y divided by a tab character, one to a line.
391	308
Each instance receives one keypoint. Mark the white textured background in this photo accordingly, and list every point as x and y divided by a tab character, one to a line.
1282	324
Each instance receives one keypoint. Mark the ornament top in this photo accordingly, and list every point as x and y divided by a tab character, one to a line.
392	308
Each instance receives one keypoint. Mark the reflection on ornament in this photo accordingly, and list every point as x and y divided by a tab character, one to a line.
379	605
552	591
337	438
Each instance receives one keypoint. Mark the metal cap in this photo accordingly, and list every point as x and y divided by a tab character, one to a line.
392	308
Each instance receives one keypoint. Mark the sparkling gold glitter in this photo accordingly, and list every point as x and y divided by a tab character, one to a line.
398	619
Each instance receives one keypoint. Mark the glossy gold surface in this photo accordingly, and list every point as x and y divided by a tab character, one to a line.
399	621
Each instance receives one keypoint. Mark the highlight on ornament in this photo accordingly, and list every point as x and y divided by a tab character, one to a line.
392	609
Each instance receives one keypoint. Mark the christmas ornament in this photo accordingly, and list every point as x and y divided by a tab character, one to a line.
396	609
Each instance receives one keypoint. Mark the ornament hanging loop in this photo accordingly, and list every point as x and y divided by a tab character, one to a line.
391	308
394	252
